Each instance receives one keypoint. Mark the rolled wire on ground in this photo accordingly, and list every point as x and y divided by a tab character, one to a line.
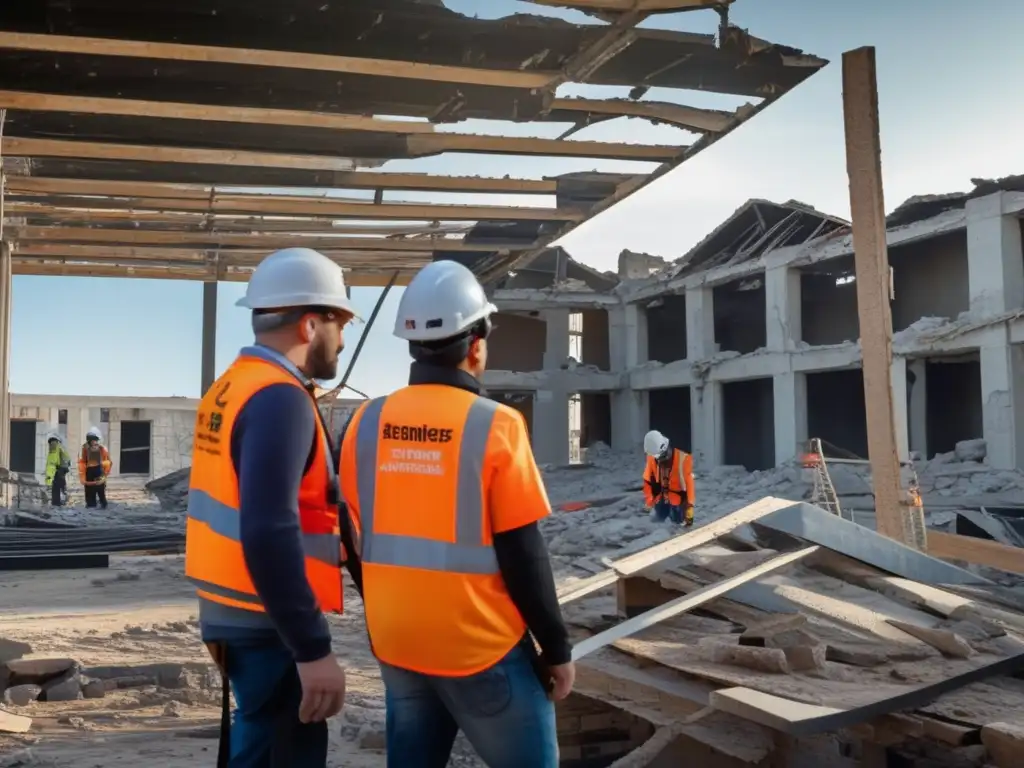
23	541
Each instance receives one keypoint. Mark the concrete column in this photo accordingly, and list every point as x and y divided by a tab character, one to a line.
551	405
994	256
627	327
708	422
900	412
700	323
209	350
790	392
1002	403
918	408
782	309
6	296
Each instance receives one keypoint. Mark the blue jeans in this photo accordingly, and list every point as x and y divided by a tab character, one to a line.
504	712
266	732
664	511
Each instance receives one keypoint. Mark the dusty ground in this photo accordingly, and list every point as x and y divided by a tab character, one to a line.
139	612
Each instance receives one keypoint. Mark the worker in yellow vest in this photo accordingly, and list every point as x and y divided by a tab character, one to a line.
446	496
263	543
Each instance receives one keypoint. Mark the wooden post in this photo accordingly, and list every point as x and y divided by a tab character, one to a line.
867	208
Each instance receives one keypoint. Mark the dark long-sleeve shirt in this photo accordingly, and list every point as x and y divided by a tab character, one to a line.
272	447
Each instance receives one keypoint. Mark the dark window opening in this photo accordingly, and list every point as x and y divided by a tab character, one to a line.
62	416
136	442
105	415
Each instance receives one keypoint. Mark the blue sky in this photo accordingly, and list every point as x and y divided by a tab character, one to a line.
949	92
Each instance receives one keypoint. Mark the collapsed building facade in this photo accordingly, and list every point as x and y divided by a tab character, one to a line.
748	345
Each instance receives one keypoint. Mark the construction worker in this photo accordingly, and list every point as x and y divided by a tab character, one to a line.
445	497
668	481
93	468
58	464
262	534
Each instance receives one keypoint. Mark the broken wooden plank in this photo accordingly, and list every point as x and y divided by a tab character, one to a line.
640	561
976	551
684	603
11	723
799	719
948	643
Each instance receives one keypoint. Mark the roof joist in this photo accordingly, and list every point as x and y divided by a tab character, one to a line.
342	65
44	240
413	182
293	206
377	277
416	146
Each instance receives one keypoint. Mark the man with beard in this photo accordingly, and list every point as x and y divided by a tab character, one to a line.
263	542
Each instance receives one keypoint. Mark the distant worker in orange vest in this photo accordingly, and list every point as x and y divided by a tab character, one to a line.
263	543
668	481
445	495
93	468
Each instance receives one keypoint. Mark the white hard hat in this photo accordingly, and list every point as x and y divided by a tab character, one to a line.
94	432
54	436
297	277
442	300
655	443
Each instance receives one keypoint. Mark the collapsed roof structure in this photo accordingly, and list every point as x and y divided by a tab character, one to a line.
186	140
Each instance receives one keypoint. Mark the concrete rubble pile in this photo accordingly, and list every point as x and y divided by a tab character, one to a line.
612	481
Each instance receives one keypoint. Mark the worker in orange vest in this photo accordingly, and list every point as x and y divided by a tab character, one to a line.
445	497
263	540
93	468
668	481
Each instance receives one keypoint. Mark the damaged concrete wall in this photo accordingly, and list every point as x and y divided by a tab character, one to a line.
517	343
930	279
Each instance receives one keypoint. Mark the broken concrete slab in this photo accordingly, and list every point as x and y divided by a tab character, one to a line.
11	723
22	695
817	526
39	670
946	642
1004	742
13	649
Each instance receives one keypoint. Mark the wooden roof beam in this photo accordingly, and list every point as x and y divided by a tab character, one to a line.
688	118
376	277
418	182
200	255
347	65
293	118
314	208
418	145
95	150
49	239
256	230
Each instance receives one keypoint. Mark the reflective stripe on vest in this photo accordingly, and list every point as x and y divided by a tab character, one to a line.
226	522
468	554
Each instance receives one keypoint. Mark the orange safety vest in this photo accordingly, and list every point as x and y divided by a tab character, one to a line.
419	494
213	550
675	485
103	461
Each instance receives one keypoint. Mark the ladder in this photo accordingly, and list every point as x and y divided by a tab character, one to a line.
824	493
